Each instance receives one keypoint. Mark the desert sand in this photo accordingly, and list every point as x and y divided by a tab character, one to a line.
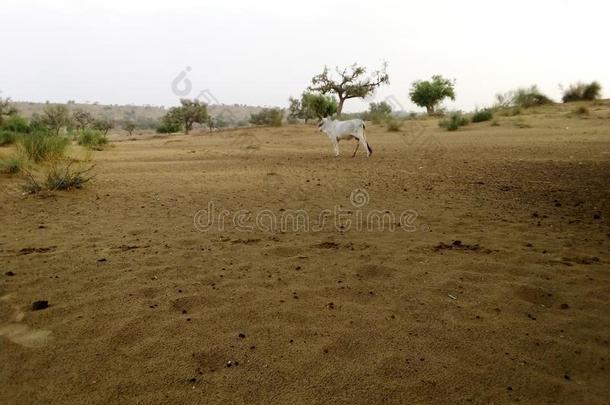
497	291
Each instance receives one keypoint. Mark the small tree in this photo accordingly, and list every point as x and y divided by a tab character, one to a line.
129	126
55	117
6	109
267	116
312	106
429	94
104	125
189	113
295	109
82	119
318	105
350	83
379	112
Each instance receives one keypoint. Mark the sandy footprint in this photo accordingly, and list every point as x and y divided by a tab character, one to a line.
20	333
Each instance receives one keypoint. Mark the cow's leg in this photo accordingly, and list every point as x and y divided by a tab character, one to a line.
365	144
336	147
357	145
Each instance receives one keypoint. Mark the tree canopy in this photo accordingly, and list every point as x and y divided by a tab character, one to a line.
350	82
187	114
312	106
429	94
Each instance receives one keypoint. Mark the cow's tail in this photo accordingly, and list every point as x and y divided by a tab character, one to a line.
367	143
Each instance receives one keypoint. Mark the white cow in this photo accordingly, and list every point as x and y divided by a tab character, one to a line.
338	130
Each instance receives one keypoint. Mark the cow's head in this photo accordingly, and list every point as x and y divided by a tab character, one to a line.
323	124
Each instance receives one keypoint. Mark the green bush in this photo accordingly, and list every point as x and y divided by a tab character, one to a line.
58	176
63	177
92	139
40	146
16	124
582	92
521	98
530	97
7	137
168	127
11	165
394	125
454	121
482	115
267	116
582	110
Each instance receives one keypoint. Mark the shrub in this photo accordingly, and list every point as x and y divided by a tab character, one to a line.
167	126
581	91
521	98
7	137
482	115
40	146
530	97
582	110
267	116
394	125
16	124
454	121
11	165
62	177
92	139
58	176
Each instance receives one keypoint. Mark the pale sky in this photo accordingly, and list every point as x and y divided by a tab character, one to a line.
262	52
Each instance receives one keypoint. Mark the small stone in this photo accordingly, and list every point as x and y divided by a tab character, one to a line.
9	273
184	311
38	305
102	260
457	242
229	363
564	306
242	335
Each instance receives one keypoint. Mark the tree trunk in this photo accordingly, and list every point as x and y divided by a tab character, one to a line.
340	107
430	109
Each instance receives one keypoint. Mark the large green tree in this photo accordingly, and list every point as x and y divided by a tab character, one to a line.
350	82
188	113
430	93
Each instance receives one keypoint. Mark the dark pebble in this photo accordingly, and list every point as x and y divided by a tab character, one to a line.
242	336
564	306
102	260
38	305
9	273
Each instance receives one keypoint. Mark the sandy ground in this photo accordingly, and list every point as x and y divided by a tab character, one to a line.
495	288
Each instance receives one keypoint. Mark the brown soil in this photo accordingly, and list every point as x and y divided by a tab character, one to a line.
497	291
